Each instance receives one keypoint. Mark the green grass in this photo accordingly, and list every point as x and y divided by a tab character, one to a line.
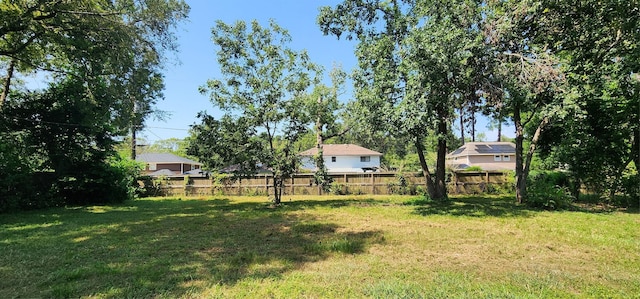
320	247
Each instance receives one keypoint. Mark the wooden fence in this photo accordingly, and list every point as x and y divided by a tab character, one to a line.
346	183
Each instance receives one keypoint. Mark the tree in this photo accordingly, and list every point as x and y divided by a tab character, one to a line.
324	107
528	74
65	133
122	42
263	85
413	58
598	43
225	142
569	68
103	61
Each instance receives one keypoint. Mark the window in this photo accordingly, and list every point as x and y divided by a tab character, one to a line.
506	158
153	166
497	158
365	159
333	159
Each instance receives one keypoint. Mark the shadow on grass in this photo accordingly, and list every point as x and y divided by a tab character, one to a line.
474	207
167	248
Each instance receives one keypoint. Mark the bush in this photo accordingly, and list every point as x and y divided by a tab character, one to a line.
549	191
507	187
110	182
338	189
399	186
630	189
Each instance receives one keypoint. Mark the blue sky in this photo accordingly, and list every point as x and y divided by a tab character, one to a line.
196	61
197	57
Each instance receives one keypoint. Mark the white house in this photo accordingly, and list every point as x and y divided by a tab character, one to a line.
486	155
343	158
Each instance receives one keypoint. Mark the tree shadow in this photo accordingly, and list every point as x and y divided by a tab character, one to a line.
172	248
475	207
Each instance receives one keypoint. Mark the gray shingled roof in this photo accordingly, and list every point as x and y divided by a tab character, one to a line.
164	158
484	148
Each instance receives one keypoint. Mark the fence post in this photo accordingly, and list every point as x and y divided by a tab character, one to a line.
373	184
456	180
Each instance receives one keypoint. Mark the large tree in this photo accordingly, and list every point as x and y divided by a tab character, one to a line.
263	86
103	62
569	69
414	60
598	41
120	43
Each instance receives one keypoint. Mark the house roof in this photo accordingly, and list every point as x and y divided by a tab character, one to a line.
341	150
164	158
484	148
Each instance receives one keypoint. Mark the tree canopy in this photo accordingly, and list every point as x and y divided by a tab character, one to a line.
262	92
102	62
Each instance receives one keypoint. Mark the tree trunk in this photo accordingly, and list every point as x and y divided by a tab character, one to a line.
472	119
441	175
533	145
462	124
319	126
431	190
7	83
521	186
277	190
133	143
635	149
499	130
523	163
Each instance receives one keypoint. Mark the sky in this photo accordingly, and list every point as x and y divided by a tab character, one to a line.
197	54
195	62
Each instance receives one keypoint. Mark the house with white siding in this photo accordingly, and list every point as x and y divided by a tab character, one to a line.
341	158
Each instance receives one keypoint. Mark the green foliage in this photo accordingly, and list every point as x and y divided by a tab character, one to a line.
399	186
111	182
630	189
225	142
261	90
321	177
549	190
415	60
103	65
507	187
338	189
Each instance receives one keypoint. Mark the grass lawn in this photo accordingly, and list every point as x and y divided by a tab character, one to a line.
319	247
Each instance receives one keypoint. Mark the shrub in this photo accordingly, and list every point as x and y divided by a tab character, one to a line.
399	186
549	191
110	182
507	187
630	191
338	189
